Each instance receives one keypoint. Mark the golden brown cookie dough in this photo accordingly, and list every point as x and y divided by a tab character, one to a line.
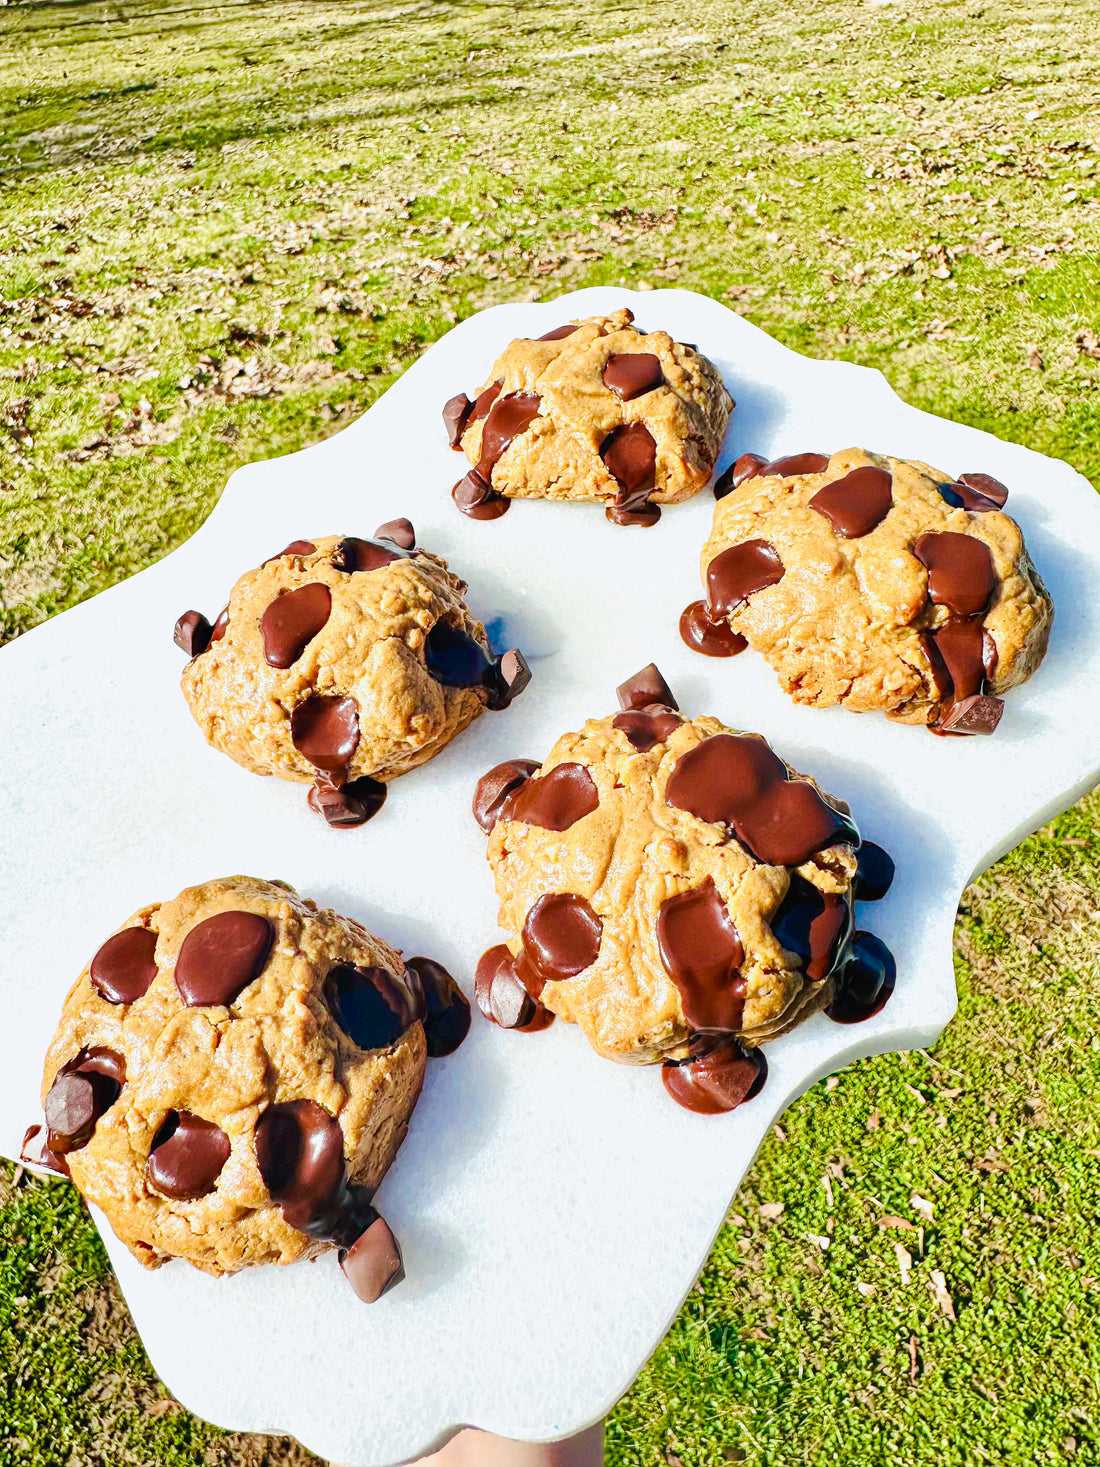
596	410
344	663
876	583
667	884
234	1072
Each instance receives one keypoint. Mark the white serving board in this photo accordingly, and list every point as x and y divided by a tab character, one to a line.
554	1209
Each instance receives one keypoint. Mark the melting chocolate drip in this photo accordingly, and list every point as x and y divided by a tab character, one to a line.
292	621
192	633
325	730
494	789
507	418
446	1010
35	1152
646	687
874	873
373	1264
630	453
866	982
748	466
347	806
504	998
646	727
967	656
83	1090
711	638
702	953
457	660
221	956
559	333
960	571
632	374
187	1156
371	1006
300	1155
296	548
738	573
738	782
717	1076
816	925
557	799
217	632
125	965
856	503
561	936
961	576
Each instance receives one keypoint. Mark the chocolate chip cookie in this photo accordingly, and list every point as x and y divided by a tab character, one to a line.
876	583
233	1074
677	890
342	663
597	410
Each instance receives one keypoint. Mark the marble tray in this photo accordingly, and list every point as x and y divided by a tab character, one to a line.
554	1209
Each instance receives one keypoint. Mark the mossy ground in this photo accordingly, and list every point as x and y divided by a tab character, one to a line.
225	228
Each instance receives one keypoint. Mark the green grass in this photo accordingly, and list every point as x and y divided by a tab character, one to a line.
224	229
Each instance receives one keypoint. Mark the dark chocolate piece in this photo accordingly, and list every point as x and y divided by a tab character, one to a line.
371	1006
83	1090
495	787
738	573
296	548
559	333
221	956
702	953
795	463
192	633
399	532
446	1008
325	730
557	799
645	687
510	676
353	554
35	1152
630	453
960	571
300	1155
866	982
187	1156
501	995
456	414
874	873
561	936
457	660
292	621
856	503
960	644
646	727
979	714
373	1264
217	631
716	1078
713	638
816	925
979	493
347	806
475	497
748	466
632	374
125	965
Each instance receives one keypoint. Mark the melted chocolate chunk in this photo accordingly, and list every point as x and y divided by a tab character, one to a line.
347	806
484	401
217	632
296	548
712	638
645	687
500	994
874	873
960	571
856	503
866	982
559	333
979	714
739	782
456	414
557	800
187	1156
632	374
300	1154
634	511
493	789
35	1152
748	466
964	651
702	953
292	621
717	1078
508	417
370	1005
815	925
630	454
510	676
353	554
477	498
457	660
987	486
125	965
738	573
325	730
561	936
446	1008
83	1090
399	532
796	463
373	1264
646	727
978	493
192	633
221	956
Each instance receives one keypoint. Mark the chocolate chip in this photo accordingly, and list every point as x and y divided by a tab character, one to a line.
300	1155
221	956
502	996
456	414
561	936
192	633
510	676
557	799
373	1265
866	982
371	1006
632	374
400	532
35	1152
701	952
986	485
83	1090
296	548
645	687
739	782
738	573
478	499
508	417
291	622
495	787
816	925
714	638
353	554
325	730
718	1078
187	1156
347	806
795	463
874	873
647	727
979	714
857	502
446	1008
630	454
218	630
960	571
748	466
125	965
559	333
978	493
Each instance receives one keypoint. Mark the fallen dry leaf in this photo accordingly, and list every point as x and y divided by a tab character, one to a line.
867	1290
943	1298
905	1261
769	1211
891	1220
921	1205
